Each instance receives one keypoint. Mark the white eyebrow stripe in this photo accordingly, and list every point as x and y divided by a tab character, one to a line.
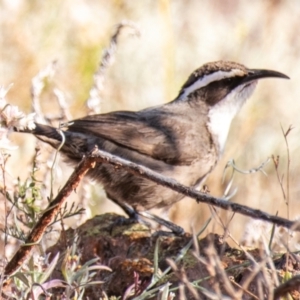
207	79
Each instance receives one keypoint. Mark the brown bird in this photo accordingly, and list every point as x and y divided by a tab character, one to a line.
182	139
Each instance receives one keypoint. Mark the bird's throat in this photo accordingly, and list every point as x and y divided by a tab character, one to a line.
221	114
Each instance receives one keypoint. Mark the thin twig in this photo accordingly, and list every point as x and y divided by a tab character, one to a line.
245	291
280	180
6	212
231	163
285	134
286	195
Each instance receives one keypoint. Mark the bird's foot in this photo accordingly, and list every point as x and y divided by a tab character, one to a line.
175	229
132	219
134	216
164	233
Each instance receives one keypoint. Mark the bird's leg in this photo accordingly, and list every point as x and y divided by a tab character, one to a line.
130	211
177	230
134	216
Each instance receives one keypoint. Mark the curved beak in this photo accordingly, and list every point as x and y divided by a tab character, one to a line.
254	74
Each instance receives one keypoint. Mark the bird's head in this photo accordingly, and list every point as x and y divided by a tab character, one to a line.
224	87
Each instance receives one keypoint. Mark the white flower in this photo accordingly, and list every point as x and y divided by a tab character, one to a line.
11	117
10	114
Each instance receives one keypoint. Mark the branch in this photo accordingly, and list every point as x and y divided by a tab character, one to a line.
37	232
104	157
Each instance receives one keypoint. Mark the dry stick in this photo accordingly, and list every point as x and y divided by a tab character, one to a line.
104	157
37	232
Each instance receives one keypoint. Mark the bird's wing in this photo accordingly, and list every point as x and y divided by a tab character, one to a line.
148	134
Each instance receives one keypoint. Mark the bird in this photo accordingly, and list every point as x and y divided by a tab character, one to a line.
182	139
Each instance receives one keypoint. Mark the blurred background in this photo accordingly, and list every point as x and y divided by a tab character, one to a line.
176	37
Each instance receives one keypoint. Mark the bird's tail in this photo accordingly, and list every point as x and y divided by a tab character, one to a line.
47	134
72	144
